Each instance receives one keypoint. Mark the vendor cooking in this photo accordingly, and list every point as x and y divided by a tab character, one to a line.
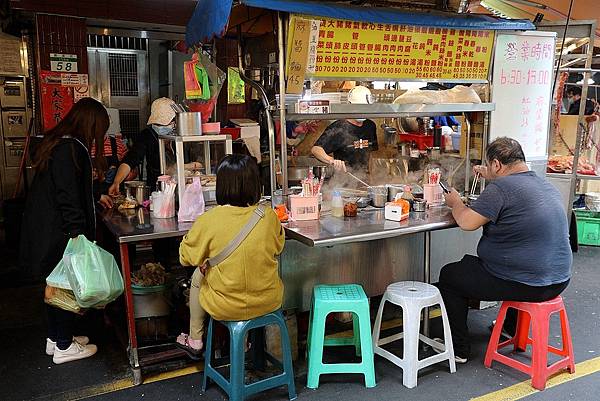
145	145
349	141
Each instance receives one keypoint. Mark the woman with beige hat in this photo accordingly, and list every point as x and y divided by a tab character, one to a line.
145	145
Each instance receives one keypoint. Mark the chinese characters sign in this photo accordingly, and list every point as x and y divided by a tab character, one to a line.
366	50
57	100
521	90
298	48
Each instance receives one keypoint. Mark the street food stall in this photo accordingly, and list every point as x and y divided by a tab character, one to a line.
328	42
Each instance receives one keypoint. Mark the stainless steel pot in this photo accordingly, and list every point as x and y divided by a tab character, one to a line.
378	196
393	190
138	190
298	173
188	123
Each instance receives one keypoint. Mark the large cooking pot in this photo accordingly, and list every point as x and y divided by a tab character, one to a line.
298	173
189	123
138	190
378	195
393	190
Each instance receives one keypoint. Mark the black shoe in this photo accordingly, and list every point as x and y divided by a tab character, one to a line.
442	348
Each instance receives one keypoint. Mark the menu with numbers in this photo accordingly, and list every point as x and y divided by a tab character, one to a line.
522	82
366	50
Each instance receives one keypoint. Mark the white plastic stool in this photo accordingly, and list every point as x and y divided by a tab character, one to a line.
413	296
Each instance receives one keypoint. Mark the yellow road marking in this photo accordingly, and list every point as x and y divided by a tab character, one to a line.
524	389
189	370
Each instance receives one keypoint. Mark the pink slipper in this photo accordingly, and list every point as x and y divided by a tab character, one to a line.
193	348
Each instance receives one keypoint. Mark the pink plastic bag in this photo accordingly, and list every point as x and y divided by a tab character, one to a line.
192	202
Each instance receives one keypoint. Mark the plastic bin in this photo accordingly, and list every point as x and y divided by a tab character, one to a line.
455	141
423	141
588	227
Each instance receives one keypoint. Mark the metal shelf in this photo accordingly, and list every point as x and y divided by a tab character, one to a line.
195	138
588	177
569	176
388	110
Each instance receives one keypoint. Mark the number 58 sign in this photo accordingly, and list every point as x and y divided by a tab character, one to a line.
63	62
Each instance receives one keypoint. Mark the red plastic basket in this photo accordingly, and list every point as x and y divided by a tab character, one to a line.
423	141
205	107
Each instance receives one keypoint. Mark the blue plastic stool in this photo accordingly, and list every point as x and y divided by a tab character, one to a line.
340	298
236	388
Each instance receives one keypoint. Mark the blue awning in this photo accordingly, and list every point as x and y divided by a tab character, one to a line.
210	16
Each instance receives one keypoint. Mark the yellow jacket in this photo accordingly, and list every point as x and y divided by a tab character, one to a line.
247	284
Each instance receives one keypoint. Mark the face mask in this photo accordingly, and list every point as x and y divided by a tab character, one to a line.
162	129
361	120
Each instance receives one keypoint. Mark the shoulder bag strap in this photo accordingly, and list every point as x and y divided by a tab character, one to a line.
258	214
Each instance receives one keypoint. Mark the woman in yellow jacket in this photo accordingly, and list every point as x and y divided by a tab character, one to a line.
246	284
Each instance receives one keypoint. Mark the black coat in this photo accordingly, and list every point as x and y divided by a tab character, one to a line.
59	206
145	146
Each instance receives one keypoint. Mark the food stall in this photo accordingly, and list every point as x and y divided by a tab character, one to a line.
368	248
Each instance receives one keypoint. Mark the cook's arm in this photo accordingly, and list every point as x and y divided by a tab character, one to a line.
122	173
322	156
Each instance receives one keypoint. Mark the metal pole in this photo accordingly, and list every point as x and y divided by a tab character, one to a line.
592	70
265	101
282	130
468	155
427	277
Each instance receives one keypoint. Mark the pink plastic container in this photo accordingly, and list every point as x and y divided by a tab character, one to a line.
433	194
211	128
304	207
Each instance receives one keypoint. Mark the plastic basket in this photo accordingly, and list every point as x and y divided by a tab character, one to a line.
304	207
423	141
588	227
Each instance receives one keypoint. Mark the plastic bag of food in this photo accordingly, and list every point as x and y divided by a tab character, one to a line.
58	277
192	203
62	299
92	273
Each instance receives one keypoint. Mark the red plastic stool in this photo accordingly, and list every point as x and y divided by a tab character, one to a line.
539	371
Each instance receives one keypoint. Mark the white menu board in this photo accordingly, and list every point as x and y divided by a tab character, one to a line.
521	90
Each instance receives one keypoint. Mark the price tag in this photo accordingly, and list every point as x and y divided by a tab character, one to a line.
298	54
63	62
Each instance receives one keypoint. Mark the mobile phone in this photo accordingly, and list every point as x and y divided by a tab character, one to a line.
444	187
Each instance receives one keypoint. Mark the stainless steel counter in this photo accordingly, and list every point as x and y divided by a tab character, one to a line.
369	225
128	228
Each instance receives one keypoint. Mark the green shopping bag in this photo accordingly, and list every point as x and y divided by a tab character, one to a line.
92	273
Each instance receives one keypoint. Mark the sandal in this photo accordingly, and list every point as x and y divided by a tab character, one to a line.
183	342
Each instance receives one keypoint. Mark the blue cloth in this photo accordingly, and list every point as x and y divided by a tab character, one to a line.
210	17
527	238
445	121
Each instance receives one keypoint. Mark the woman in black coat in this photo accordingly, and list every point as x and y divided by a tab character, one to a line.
60	206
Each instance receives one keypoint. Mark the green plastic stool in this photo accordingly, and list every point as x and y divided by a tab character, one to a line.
340	298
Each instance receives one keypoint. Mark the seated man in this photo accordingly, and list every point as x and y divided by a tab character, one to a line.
524	252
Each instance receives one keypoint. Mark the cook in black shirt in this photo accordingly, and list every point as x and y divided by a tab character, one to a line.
349	141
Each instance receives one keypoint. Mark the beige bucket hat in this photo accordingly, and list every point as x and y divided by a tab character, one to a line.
161	112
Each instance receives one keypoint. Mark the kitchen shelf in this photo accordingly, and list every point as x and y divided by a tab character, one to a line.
196	138
588	177
389	110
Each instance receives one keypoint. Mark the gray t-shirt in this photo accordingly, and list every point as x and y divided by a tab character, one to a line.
527	238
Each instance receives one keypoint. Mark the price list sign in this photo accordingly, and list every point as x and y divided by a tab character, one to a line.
522	81
350	49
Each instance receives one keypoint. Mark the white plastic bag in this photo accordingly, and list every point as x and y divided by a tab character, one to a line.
58	277
192	203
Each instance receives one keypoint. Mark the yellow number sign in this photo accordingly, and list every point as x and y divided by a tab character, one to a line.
350	49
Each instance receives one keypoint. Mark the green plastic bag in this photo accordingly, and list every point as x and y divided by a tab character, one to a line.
92	272
58	277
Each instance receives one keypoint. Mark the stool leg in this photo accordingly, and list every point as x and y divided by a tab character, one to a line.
368	358
539	358
288	369
236	367
356	334
377	327
207	354
566	339
315	350
495	337
412	319
448	338
522	332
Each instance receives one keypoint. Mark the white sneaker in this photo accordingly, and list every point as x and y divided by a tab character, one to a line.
51	345
74	352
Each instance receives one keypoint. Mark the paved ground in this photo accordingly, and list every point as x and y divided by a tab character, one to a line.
27	374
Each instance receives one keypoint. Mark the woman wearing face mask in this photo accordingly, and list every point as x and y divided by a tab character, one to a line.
161	122
349	141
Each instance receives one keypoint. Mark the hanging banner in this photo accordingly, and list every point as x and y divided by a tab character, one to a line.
350	49
56	100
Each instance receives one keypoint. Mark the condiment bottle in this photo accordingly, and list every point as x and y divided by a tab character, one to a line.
337	205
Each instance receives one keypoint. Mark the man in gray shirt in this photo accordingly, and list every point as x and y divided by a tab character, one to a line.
524	252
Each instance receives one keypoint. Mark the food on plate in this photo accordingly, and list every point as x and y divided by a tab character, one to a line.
128	203
560	164
149	275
